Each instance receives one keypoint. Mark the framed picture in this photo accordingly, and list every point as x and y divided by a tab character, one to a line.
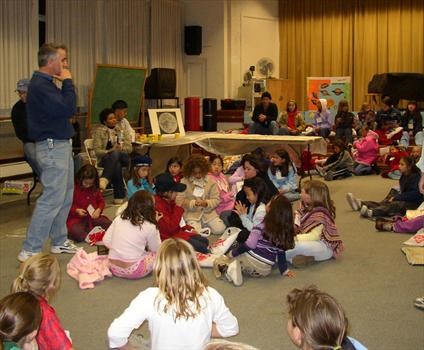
166	121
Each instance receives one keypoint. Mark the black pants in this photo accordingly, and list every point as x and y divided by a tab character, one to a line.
200	244
112	164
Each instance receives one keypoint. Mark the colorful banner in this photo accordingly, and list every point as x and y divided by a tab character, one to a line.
333	89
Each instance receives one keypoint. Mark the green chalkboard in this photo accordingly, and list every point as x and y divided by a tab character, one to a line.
113	82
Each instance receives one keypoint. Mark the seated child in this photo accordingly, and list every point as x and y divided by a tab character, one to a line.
265	246
87	205
317	321
182	311
365	117
171	222
344	122
322	123
317	237
20	318
396	202
253	214
388	135
392	159
290	121
140	175
416	153
201	197
226	195
120	108
40	276
133	238
283	174
366	152
412	124
338	165
174	167
400	224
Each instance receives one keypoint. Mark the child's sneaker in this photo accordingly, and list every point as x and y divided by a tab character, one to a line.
354	203
419	303
233	273
67	247
205	260
365	212
320	170
24	255
302	261
221	246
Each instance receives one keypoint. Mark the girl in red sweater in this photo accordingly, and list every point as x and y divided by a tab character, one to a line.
87	205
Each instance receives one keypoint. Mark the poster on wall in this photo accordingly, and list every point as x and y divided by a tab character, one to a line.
333	89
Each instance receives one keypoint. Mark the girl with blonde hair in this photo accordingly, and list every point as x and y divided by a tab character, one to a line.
183	311
317	237
41	276
318	322
20	317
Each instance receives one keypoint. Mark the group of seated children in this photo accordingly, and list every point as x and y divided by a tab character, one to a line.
182	310
390	125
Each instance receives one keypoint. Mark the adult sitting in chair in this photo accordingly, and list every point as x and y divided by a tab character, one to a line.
264	117
19	120
112	146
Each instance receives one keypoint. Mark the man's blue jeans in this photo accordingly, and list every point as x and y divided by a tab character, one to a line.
54	157
30	157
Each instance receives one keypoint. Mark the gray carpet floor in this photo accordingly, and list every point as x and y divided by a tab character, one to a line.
372	280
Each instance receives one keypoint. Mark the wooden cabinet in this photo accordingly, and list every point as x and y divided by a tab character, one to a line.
281	90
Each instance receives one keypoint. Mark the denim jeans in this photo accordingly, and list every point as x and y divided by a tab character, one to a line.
362	169
52	208
258	128
30	157
112	164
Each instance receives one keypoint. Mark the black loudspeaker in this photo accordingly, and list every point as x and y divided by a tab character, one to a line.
209	114
193	40
161	83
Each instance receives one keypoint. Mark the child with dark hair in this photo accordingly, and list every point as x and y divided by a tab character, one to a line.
201	198
344	122
20	318
265	245
253	166
120	108
256	194
388	115
87	205
338	165
226	195
175	167
291	121
133	238
283	174
396	202
412	124
317	237
140	175
112	146
171	222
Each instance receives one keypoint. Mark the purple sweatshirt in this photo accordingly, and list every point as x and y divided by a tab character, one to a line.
262	250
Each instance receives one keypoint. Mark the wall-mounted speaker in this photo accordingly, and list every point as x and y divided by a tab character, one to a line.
193	40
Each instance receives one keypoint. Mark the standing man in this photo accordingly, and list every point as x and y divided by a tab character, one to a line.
49	109
19	120
264	117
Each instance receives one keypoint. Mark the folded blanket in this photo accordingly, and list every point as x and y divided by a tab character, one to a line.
88	268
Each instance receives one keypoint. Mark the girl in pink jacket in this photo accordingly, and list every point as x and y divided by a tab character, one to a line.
366	152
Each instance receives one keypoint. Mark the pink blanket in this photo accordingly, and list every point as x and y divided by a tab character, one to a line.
88	268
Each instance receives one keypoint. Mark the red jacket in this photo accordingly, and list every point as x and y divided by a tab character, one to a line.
82	198
169	224
393	160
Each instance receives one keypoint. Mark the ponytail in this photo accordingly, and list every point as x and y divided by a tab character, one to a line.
40	275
